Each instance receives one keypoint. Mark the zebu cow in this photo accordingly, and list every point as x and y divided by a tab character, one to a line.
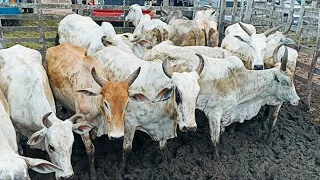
153	30
208	14
25	84
209	27
12	165
229	92
82	31
79	84
246	44
173	103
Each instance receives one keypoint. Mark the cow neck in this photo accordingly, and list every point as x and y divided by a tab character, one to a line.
172	112
257	84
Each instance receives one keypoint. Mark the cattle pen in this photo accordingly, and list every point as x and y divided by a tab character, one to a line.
37	30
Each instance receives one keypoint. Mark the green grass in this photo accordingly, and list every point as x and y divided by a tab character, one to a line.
31	34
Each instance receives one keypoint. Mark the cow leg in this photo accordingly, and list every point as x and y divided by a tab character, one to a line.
90	152
266	115
214	124
20	149
273	119
127	146
163	148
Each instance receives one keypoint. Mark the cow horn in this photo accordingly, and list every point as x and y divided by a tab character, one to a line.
270	31
45	120
201	64
75	117
97	78
289	26
284	60
133	76
162	10
275	52
245	29
164	67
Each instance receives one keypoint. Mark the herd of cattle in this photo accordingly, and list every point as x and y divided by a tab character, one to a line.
150	80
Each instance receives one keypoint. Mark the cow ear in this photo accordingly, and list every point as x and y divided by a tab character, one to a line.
89	92
36	137
145	43
163	95
138	97
81	128
40	165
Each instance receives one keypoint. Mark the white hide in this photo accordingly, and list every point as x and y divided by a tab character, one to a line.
157	119
12	165
84	32
209	14
25	84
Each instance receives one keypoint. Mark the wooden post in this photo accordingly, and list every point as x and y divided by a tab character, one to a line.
2	45
271	13
300	22
310	74
221	20
234	11
247	16
41	30
125	24
241	10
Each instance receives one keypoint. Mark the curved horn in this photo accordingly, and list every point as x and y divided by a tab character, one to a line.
201	64
270	31
133	76
164	67
46	122
284	60
162	10
75	117
245	29
289	26
275	52
97	78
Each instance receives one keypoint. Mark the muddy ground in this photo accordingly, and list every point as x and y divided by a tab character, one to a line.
292	153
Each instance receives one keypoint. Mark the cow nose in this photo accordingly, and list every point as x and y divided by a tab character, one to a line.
102	39
189	129
116	138
258	67
66	177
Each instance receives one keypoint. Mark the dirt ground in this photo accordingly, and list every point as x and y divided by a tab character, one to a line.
292	153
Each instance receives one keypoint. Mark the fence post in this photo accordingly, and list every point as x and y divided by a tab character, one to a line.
234	11
247	16
241	10
2	45
42	35
271	13
300	22
221	21
310	74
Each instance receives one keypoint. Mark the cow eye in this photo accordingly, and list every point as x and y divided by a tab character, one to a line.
51	149
106	105
178	96
125	36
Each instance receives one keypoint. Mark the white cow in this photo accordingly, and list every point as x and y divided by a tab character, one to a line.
208	14
229	92
25	84
175	94
153	30
243	41
82	31
12	165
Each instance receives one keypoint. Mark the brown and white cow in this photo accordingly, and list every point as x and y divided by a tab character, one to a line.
79	84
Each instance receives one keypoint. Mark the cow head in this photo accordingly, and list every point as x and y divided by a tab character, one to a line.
58	139
134	15
167	16
14	166
256	45
209	14
283	81
114	101
184	89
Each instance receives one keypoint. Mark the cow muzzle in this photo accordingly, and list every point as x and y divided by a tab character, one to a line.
189	129
258	67
66	177
116	136
295	102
